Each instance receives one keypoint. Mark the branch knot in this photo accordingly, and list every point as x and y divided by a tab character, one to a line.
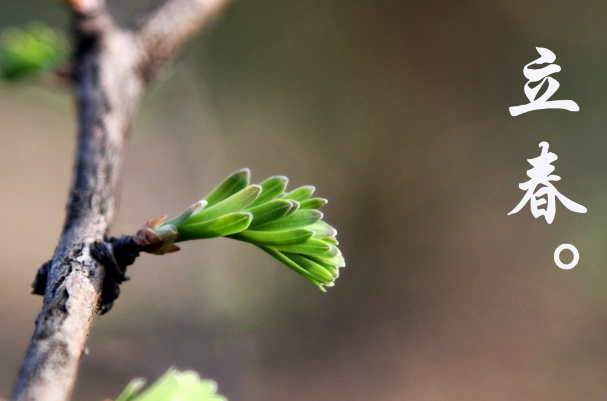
115	254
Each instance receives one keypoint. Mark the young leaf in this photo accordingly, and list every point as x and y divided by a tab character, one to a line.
333	252
270	190
234	203
300	194
179	386
311	247
337	260
332	269
282	258
131	390
236	182
316	270
220	227
180	219
268	212
322	230
314	203
299	219
330	240
275	237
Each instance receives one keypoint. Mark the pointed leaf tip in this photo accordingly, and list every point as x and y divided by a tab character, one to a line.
314	203
294	207
272	188
237	181
186	214
300	194
289	263
316	270
235	203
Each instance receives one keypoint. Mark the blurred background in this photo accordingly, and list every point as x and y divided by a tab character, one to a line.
398	112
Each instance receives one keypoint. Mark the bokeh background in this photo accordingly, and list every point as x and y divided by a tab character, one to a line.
398	112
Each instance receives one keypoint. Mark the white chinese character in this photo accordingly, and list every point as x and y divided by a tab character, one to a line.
541	74
539	174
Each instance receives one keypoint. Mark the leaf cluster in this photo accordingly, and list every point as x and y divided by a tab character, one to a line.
286	225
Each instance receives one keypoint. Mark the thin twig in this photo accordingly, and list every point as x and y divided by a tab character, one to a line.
111	67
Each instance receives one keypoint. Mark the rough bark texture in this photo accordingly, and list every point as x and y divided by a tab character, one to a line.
111	67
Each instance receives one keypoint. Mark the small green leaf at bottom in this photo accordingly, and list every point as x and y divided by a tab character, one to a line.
173	386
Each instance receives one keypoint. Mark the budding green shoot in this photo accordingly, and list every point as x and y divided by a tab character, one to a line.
286	225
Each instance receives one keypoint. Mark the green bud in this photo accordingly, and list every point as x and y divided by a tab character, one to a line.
29	51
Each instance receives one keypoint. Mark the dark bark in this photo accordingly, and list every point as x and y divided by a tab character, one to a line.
115	254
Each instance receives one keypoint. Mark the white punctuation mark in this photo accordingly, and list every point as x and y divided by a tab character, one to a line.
557	256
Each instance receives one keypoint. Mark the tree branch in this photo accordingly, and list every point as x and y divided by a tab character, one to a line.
164	31
111	67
